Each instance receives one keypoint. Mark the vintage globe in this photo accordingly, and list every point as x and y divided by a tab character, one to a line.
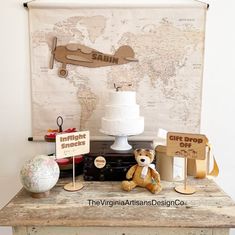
40	174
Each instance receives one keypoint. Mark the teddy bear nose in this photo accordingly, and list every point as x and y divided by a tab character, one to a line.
142	160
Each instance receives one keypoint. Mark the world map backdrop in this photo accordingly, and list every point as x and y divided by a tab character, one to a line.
168	42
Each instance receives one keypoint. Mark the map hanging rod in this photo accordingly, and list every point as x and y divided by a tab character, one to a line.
36	139
208	5
25	4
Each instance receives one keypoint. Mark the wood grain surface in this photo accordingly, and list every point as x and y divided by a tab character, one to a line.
209	207
51	230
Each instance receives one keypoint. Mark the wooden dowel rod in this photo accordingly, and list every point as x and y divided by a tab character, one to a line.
185	173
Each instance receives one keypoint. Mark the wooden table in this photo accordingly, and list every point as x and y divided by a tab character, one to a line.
208	212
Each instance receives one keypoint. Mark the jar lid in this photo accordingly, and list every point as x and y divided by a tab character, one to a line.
161	149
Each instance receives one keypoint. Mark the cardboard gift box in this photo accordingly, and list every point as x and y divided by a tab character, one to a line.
170	168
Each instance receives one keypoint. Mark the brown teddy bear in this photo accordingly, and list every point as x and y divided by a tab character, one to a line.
143	174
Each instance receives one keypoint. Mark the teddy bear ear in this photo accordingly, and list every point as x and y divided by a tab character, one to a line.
152	152
136	152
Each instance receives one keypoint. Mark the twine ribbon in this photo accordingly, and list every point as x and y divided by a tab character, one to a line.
201	170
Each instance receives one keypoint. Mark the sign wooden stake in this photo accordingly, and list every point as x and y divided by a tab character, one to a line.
188	146
71	145
73	186
185	189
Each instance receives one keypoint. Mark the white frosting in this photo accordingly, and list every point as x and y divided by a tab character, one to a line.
122	115
122	111
122	98
123	127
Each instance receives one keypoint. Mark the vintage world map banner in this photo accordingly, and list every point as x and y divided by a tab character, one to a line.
167	39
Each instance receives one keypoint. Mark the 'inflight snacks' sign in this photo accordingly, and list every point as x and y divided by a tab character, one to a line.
72	144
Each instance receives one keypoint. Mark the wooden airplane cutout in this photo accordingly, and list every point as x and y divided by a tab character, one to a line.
77	54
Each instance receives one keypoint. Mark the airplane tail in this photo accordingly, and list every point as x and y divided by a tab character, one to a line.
126	53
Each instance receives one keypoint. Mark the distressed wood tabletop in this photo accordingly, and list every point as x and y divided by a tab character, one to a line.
208	207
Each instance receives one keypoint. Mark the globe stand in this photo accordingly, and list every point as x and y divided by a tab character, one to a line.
40	195
121	143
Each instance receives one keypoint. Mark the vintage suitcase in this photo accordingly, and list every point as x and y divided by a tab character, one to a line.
105	164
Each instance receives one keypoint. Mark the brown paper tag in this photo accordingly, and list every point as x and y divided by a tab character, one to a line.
186	145
100	162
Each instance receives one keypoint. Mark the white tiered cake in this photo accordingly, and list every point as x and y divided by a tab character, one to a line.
122	118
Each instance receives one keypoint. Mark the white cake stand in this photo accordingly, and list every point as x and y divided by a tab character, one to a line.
121	143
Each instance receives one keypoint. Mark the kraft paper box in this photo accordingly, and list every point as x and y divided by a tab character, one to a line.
167	38
170	168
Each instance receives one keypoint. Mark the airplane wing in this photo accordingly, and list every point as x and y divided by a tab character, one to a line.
131	59
77	46
78	58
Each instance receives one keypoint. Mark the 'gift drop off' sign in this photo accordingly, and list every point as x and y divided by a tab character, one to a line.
186	145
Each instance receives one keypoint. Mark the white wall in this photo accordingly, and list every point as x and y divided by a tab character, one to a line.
15	122
219	88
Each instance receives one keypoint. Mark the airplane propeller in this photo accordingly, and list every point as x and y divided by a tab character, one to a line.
54	42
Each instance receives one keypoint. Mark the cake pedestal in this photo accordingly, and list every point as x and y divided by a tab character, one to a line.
121	143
